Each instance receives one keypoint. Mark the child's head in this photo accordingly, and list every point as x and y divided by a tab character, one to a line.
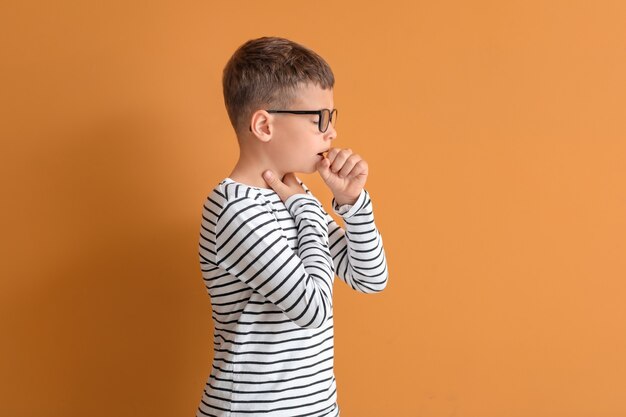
272	73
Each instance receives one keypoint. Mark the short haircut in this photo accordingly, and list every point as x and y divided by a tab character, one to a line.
267	72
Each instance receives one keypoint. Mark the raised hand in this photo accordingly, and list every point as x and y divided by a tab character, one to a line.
285	189
344	173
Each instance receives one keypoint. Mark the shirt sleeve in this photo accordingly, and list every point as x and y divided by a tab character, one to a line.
357	251
341	209
251	246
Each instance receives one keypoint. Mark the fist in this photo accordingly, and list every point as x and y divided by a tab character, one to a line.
344	173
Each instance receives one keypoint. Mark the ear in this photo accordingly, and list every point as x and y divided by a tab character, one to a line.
262	125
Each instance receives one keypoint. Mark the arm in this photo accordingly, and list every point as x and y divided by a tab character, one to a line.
250	245
357	251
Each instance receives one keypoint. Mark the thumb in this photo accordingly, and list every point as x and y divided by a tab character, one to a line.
273	181
323	167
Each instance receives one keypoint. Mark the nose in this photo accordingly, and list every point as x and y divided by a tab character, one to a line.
330	133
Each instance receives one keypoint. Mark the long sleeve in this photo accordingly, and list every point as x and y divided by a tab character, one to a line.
251	246
357	251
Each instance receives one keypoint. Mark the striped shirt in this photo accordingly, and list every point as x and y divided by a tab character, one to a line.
269	269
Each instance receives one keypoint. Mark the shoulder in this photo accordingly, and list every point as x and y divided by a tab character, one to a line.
237	200
228	197
234	191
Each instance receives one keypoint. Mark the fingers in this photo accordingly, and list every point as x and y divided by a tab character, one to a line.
273	181
349	165
344	163
337	158
285	188
323	167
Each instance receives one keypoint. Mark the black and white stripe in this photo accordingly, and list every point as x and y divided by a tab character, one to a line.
269	269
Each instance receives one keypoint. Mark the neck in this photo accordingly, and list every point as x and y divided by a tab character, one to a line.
250	167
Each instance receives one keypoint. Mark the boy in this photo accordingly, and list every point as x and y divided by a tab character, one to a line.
268	249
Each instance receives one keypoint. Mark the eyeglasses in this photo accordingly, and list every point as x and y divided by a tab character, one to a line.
326	116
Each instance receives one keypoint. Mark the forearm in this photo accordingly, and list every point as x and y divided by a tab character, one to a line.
315	256
358	252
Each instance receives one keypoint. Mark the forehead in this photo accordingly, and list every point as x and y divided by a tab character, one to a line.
313	97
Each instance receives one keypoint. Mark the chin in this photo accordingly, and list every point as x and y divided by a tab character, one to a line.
304	169
310	170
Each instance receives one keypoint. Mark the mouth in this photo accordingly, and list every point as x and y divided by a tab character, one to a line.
322	154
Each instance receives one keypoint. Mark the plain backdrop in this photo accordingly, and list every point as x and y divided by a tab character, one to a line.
495	136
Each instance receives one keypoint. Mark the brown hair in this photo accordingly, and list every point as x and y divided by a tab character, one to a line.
266	72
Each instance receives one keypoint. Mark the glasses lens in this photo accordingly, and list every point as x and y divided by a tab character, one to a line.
333	117
324	119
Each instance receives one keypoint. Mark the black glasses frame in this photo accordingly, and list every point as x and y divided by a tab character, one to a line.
332	116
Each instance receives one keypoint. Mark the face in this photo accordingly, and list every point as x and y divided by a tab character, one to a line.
296	138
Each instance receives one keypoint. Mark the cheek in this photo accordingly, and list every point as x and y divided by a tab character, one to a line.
287	151
298	142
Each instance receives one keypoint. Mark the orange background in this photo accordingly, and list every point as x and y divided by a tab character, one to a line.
495	135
